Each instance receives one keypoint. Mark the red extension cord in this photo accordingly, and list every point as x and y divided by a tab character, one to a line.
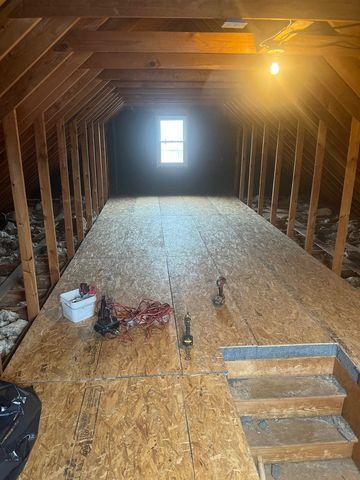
148	315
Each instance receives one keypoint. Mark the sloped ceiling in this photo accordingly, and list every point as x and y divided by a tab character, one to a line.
87	66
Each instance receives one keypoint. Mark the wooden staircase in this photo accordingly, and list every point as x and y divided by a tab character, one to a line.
294	418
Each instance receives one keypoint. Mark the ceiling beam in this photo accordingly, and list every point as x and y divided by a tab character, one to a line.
26	53
167	42
174	61
156	75
323	45
14	31
249	9
171	86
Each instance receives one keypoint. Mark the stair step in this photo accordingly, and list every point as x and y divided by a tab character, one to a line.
342	469
298	366
287	396
306	438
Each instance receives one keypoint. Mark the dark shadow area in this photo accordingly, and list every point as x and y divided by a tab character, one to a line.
132	141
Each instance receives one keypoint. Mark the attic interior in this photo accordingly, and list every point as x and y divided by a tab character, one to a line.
180	239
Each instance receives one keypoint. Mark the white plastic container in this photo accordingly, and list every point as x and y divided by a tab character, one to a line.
77	311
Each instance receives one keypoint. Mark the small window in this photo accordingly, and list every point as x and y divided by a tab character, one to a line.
172	141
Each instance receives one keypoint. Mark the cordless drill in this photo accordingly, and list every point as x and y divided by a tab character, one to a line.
219	299
106	323
187	340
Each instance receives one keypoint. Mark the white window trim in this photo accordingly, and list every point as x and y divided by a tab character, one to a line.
171	165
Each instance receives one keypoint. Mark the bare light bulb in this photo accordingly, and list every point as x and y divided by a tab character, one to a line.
274	68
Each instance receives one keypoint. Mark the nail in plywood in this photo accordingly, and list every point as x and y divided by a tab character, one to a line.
13	153
76	179
92	162
46	198
300	136
86	171
277	173
252	166
316	184
65	188
263	169
348	189
244	160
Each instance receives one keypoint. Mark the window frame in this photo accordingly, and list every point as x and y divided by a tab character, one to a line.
184	142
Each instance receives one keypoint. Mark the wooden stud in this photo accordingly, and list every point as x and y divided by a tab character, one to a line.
106	165
316	184
76	180
99	171
244	160
46	198
300	137
252	166
277	173
93	168
263	169
13	151
348	189
65	187
86	172
237	164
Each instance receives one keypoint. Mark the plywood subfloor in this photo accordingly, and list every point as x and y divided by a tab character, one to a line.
151	413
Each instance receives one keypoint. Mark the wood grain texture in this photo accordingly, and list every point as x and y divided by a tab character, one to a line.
147	42
277	173
252	161
173	249
316	185
130	428
296	366
46	198
300	137
351	405
279	9
348	189
65	188
220	454
13	152
75	164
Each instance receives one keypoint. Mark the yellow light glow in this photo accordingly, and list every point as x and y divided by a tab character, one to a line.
274	68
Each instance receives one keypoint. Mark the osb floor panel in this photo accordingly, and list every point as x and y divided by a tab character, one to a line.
141	410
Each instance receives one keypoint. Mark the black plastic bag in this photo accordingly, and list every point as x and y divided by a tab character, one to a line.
20	410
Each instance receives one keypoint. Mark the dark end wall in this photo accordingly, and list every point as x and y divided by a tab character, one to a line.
132	141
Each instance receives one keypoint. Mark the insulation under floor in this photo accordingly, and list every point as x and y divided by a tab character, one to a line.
140	410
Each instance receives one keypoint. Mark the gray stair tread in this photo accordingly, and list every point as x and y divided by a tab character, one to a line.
284	387
293	431
342	469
